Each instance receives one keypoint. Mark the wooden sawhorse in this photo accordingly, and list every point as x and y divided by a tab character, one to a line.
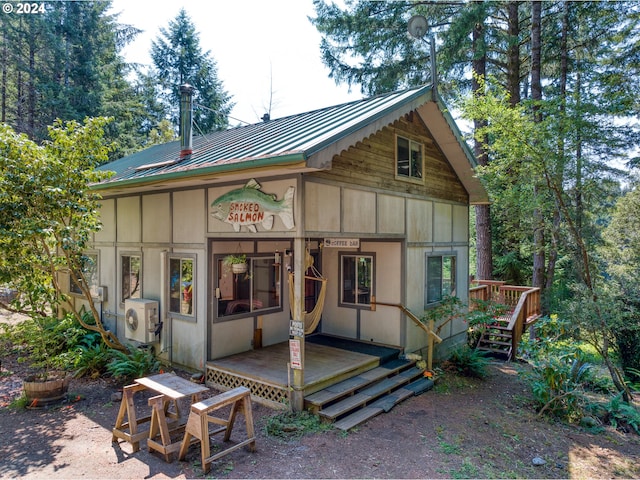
199	419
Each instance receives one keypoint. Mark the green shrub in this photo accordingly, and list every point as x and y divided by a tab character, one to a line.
557	386
634	379
92	360
136	363
627	339
618	414
294	424
469	362
46	342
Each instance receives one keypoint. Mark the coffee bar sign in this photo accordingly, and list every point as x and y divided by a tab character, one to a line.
342	243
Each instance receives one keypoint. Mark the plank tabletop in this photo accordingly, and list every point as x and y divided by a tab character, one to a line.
171	385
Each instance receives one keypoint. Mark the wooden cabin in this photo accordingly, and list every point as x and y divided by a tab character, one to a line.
333	209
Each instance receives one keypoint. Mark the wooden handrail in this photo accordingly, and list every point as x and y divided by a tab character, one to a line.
524	300
526	311
431	335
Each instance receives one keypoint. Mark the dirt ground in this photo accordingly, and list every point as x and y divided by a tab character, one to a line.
460	429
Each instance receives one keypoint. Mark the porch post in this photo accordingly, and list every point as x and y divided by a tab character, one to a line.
297	395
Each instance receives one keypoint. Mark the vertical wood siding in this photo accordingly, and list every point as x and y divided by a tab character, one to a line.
371	163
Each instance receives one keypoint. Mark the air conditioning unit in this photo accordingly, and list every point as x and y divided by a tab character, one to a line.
140	318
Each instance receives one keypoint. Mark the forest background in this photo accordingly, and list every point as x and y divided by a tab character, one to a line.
551	89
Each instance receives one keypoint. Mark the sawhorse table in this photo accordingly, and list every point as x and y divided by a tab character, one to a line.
197	427
170	389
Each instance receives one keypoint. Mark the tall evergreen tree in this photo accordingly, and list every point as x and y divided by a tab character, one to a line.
178	59
65	64
573	64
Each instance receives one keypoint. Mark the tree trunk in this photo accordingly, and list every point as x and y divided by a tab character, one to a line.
513	53
484	258
538	279
555	228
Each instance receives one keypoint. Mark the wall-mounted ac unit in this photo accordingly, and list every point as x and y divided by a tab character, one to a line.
140	318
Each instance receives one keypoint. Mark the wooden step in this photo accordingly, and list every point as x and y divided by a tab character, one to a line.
496	342
495	350
364	397
383	404
357	418
316	401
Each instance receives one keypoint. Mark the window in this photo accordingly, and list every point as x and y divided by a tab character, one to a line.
181	285
408	158
356	279
130	276
90	272
256	290
441	277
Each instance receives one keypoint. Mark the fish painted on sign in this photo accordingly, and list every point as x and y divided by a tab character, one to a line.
248	206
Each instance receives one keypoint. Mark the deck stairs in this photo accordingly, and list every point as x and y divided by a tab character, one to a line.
496	338
357	399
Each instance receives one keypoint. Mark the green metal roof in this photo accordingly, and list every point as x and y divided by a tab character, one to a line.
281	140
292	139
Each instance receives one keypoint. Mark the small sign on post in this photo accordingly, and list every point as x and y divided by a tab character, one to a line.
296	329
294	354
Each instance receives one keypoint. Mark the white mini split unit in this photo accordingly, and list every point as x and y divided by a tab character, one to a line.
140	318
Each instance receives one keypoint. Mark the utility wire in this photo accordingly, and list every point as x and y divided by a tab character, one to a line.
218	111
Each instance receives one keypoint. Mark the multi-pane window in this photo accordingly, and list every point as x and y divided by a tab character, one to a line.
408	158
256	290
130	268
90	273
441	277
356	279
181	285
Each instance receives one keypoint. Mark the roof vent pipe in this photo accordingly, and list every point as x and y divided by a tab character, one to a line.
186	120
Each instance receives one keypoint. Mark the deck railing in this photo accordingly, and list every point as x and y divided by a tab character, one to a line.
524	301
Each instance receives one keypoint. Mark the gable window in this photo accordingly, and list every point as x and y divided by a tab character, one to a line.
259	289
409	158
130	271
181	285
90	272
356	279
441	278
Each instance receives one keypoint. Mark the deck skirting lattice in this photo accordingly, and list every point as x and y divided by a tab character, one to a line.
269	395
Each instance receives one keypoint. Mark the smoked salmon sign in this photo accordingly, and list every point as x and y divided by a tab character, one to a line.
248	206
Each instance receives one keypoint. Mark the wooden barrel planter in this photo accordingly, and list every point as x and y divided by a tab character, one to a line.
43	392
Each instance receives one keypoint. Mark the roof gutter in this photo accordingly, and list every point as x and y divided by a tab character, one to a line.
281	160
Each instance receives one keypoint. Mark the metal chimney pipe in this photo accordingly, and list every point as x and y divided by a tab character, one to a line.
186	120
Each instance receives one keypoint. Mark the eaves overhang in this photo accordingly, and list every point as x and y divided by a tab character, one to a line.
455	149
231	165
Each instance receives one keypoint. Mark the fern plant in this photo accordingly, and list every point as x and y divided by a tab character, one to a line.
136	363
469	362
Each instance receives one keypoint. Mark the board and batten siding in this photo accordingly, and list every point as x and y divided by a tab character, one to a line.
153	225
361	196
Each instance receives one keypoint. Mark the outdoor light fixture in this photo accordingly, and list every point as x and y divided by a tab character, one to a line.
418	26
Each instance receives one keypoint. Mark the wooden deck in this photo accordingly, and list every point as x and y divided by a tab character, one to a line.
264	371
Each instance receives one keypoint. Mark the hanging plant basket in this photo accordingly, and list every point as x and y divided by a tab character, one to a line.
41	392
236	263
239	268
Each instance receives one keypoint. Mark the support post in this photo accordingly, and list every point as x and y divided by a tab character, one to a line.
432	343
297	395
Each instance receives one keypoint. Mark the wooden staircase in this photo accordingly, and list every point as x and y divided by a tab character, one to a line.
357	399
497	338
